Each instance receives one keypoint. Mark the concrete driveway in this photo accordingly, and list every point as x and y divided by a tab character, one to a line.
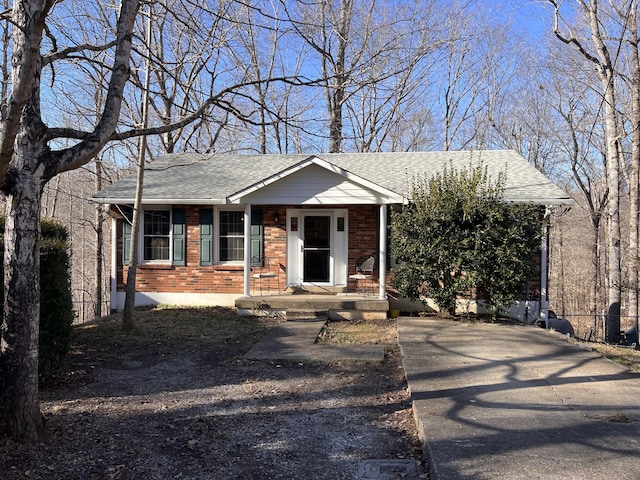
512	402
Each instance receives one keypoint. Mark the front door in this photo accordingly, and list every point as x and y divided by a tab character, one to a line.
316	248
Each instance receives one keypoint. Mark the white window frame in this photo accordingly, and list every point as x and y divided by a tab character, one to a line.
216	234
141	258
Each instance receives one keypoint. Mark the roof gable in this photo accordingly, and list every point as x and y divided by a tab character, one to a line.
315	181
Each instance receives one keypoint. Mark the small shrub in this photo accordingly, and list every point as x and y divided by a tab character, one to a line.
56	305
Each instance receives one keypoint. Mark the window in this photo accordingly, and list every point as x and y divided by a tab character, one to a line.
157	235
231	236
163	236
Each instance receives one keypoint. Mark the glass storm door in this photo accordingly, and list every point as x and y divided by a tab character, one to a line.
316	249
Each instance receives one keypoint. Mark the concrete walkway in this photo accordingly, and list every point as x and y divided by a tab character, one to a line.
510	402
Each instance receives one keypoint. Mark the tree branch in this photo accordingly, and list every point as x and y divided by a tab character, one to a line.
217	100
66	52
81	153
29	25
571	39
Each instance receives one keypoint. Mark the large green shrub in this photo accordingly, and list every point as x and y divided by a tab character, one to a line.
458	234
56	306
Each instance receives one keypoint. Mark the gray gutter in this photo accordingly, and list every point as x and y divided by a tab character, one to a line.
162	201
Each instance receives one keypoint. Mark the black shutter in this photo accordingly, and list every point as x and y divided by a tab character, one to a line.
179	226
206	236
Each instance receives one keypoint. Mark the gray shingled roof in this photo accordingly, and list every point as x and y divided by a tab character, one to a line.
186	177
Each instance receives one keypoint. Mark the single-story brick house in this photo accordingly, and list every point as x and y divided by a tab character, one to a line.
306	217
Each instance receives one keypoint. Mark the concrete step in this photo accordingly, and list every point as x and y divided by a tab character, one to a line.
336	307
310	302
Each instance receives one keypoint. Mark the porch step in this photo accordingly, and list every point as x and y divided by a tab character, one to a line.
296	306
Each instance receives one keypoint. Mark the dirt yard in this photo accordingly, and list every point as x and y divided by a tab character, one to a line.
175	400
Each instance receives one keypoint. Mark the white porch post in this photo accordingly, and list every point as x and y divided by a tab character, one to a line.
247	250
382	261
544	252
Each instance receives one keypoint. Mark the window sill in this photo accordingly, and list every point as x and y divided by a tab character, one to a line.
228	268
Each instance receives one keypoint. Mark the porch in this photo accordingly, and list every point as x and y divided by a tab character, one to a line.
314	306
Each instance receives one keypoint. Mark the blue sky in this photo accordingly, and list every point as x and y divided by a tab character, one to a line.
535	17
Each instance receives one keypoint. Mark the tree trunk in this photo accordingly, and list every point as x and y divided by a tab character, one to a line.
606	73
19	350
23	183
634	187
26	164
128	322
345	16
613	213
97	309
594	287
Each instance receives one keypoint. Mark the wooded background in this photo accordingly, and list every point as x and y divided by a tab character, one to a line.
558	83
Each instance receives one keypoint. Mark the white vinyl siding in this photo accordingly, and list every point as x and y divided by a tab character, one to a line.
314	185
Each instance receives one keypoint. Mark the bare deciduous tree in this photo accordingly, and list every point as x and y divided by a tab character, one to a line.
363	50
27	162
603	62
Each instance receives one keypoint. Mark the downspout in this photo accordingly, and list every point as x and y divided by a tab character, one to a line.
247	250
382	261
113	293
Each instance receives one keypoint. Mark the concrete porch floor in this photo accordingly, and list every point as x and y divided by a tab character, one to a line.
295	306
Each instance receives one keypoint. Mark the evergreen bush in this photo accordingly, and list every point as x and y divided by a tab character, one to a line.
56	305
458	235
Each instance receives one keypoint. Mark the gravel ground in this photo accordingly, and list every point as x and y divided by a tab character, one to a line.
162	405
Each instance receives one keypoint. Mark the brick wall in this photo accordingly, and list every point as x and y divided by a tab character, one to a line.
363	240
363	232
193	277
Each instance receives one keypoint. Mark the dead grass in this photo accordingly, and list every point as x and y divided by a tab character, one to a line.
613	417
163	322
628	357
371	332
214	332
